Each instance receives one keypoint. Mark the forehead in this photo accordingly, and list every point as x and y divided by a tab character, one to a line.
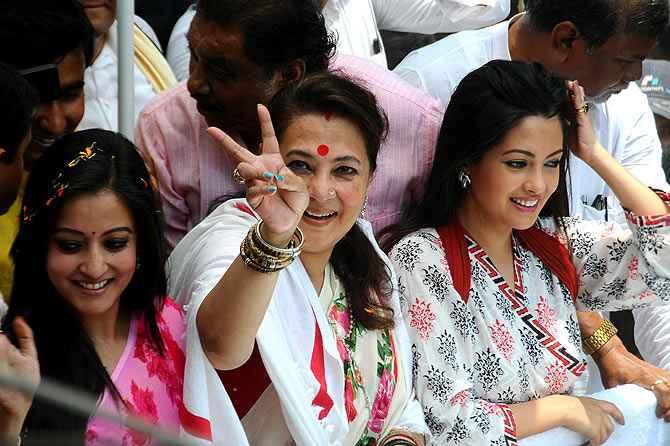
213	40
535	134
628	45
96	212
309	131
71	69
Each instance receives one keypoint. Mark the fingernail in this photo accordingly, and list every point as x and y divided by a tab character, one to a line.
268	175
280	177
272	188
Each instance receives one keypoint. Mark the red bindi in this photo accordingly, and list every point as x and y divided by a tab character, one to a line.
323	150
328	115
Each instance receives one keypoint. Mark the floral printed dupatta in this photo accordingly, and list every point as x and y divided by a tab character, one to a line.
370	384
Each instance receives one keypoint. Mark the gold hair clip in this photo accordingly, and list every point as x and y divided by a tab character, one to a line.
85	155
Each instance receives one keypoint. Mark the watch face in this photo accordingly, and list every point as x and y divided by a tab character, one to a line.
45	80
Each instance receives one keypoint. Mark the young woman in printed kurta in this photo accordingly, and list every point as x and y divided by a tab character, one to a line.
90	282
490	291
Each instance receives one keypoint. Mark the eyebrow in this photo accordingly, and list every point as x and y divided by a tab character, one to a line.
531	154
306	154
75	232
221	61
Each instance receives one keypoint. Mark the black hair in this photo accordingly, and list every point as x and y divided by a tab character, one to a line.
487	104
39	32
18	100
598	20
276	32
364	275
66	353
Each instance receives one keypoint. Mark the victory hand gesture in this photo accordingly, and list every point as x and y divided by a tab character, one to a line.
583	140
276	194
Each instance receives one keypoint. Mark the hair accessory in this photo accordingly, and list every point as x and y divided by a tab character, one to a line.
584	108
58	185
143	182
464	179
85	155
237	177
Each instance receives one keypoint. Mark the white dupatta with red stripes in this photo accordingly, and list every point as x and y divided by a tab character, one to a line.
307	374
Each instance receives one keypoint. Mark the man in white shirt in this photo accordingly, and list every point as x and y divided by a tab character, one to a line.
600	43
152	74
357	24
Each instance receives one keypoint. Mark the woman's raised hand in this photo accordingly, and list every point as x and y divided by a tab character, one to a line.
276	194
19	362
583	140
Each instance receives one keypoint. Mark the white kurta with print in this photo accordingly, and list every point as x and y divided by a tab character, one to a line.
472	358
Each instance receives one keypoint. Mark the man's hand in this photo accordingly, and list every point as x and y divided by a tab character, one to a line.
619	366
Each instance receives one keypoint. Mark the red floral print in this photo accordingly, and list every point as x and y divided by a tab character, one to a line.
422	318
546	315
460	398
556	378
502	339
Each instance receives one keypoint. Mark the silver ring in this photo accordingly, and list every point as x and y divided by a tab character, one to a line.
237	177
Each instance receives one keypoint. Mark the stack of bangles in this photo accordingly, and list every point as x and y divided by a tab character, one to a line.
399	439
263	257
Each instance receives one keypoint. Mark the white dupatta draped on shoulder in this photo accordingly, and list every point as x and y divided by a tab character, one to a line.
312	402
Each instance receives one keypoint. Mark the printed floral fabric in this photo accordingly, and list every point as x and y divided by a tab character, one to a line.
347	333
374	393
502	346
150	384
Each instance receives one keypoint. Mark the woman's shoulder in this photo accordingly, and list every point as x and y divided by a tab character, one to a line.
421	246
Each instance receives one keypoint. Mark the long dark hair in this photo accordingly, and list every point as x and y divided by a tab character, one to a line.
66	353
487	104
363	273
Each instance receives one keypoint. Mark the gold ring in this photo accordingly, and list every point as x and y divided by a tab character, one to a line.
237	177
584	108
657	382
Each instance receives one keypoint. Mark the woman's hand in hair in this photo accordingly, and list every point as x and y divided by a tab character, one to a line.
276	194
22	363
582	138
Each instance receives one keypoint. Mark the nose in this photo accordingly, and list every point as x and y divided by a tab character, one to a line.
197	83
321	188
94	265
51	119
535	183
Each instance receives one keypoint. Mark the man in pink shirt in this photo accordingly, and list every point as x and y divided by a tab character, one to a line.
240	56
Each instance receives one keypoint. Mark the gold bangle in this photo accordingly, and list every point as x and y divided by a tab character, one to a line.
599	337
293	248
263	257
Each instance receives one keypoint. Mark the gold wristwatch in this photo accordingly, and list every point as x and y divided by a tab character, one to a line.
599	337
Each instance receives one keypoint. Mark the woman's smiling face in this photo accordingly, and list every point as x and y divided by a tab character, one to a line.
513	181
329	154
92	253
